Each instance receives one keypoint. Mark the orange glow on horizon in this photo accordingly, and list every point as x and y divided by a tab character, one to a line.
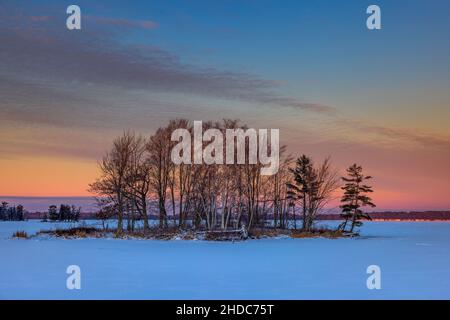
41	176
65	177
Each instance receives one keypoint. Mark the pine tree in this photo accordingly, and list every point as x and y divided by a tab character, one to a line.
53	213
12	213
74	213
4	211
304	187
20	213
64	212
355	197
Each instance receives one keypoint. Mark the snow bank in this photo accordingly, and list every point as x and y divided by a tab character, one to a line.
414	259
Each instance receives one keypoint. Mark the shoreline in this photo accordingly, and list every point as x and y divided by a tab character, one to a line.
318	220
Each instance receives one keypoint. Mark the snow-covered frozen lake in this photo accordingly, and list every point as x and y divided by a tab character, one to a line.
414	258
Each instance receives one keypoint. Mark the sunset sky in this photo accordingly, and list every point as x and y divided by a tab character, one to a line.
310	68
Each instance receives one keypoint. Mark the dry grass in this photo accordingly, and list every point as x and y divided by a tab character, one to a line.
156	233
318	233
234	235
20	234
78	232
153	233
297	234
257	233
92	232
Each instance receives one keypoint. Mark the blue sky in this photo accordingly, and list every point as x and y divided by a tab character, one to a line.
316	49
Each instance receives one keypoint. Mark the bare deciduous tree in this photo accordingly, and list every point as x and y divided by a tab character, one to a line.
113	168
138	177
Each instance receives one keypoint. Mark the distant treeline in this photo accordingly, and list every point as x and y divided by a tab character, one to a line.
64	213
424	215
11	213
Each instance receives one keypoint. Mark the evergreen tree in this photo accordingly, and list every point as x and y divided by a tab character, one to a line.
53	213
4	211
75	213
11	213
64	212
355	197
20	213
304	188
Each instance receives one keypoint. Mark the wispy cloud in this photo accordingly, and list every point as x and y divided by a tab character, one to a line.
397	136
414	136
40	18
123	23
98	57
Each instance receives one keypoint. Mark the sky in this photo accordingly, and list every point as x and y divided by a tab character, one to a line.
380	98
